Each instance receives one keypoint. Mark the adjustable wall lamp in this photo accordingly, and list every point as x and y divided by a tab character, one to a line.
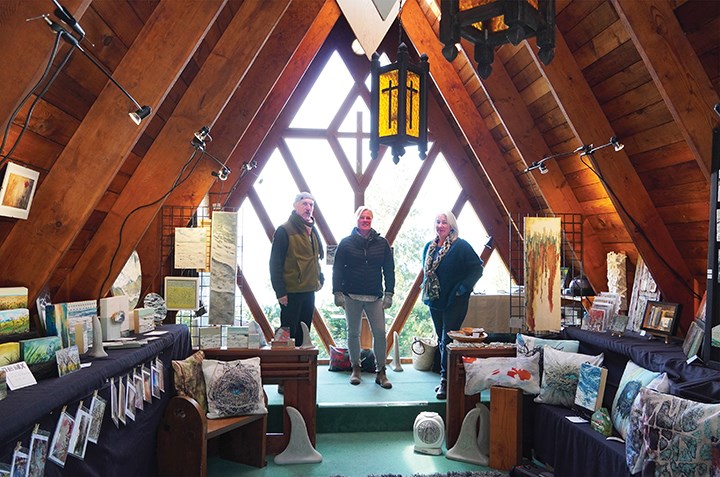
585	150
64	15
199	142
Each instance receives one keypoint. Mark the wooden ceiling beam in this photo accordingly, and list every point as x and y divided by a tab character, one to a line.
92	157
267	124
632	201
676	71
468	118
249	96
530	144
26	46
164	162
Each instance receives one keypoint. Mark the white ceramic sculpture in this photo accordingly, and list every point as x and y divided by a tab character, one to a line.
98	351
307	342
396	365
470	447
299	449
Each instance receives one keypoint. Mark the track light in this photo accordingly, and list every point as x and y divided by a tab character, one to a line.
64	15
199	142
583	150
140	114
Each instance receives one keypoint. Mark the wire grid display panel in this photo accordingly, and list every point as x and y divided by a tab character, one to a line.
571	260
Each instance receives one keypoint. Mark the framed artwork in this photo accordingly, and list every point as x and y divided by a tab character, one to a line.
618	324
182	293
543	237
17	191
693	339
660	318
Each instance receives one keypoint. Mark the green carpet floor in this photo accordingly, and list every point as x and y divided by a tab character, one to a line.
362	430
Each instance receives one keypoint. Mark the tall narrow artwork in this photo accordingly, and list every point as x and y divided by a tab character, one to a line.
543	237
223	268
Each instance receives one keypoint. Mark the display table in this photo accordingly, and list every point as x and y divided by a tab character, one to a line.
296	368
123	451
458	403
491	312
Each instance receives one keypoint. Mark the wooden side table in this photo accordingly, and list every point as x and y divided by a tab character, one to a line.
458	404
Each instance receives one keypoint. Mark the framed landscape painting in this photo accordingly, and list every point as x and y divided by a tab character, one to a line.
182	293
17	191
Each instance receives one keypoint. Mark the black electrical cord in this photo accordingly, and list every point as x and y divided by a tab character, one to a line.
640	230
53	53
178	181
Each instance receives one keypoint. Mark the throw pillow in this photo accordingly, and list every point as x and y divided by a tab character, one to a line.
680	436
634	452
521	372
634	377
530	345
560	375
234	388
188	378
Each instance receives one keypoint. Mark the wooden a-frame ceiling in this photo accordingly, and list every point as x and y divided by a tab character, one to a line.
645	71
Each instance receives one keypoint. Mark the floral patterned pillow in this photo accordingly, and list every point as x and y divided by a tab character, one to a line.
521	372
560	375
234	388
188	378
680	437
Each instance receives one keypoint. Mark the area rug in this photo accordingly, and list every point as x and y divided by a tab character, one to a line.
489	473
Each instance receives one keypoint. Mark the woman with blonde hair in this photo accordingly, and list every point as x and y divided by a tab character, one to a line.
362	260
450	268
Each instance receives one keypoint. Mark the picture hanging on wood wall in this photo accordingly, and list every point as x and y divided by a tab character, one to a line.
543	236
17	191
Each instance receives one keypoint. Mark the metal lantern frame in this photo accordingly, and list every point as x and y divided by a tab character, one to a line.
397	132
517	20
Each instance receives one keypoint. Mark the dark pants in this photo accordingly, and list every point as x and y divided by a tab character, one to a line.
299	308
449	319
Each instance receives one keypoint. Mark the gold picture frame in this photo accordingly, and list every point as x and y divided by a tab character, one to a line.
182	293
660	318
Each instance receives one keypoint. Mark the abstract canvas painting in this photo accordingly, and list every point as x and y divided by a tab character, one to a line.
17	191
191	247
543	237
223	268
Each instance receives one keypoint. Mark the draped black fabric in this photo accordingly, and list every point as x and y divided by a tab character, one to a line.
127	451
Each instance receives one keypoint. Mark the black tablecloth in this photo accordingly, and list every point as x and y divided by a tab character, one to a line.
123	452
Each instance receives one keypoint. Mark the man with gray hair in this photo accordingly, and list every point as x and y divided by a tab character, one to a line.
295	271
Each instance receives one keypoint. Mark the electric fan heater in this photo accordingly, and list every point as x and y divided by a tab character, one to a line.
429	433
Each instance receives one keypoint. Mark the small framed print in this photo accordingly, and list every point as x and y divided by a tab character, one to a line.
618	324
660	318
17	191
694	338
182	293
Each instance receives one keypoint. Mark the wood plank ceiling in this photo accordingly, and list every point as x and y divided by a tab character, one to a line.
647	72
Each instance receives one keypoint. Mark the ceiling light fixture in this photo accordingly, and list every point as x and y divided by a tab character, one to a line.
199	142
584	150
62	13
491	23
398	102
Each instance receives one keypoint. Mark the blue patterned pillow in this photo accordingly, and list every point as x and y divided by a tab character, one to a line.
530	345
634	377
560	375
234	388
679	436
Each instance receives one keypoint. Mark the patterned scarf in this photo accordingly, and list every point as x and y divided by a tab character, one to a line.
431	285
301	223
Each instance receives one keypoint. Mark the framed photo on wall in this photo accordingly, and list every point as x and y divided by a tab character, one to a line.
182	293
17	191
660	318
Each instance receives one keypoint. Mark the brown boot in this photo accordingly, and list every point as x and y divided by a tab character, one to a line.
355	377
382	379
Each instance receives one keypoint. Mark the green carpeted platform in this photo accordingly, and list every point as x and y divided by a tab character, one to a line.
362	430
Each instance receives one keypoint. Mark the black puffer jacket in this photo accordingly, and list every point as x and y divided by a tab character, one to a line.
361	263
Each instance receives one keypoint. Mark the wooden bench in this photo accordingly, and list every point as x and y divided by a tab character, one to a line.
184	434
